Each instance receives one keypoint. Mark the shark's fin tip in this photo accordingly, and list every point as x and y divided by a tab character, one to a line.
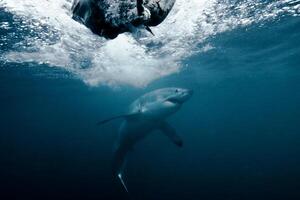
122	182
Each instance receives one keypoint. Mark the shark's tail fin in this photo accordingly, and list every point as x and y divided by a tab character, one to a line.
118	164
122	182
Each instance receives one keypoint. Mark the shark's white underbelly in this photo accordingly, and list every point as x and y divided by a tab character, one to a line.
135	130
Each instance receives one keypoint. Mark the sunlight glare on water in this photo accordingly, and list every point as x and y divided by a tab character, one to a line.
53	38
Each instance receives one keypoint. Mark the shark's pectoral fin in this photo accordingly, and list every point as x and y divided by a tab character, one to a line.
169	131
127	117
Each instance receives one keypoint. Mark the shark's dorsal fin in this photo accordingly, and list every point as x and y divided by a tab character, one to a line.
126	116
170	132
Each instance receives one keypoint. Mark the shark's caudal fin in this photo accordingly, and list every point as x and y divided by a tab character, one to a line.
122	182
118	164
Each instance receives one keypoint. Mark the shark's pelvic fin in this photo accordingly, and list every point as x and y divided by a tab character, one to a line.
169	131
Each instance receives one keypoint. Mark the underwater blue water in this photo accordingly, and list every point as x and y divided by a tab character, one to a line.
241	128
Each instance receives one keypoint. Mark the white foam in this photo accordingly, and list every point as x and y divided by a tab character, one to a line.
130	59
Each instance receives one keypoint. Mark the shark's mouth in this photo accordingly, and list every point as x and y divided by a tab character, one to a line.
175	100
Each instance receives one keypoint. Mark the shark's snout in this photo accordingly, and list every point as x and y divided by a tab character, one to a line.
180	96
190	92
187	94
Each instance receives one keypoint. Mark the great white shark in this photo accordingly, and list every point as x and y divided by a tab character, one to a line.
145	115
109	18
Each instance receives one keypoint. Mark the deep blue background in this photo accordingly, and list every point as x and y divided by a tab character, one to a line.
241	128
